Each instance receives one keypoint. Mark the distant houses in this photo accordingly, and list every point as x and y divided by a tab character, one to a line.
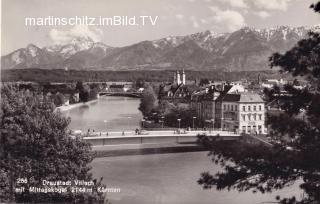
228	106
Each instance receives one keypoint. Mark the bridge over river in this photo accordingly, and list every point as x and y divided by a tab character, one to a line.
127	94
154	137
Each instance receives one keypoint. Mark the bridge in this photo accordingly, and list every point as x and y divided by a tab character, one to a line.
127	94
154	137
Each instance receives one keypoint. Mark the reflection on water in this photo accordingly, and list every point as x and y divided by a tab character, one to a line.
169	178
121	113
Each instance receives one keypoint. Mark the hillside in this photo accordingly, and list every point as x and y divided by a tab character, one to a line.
246	49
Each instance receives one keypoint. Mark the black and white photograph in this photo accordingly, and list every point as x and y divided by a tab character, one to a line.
160	101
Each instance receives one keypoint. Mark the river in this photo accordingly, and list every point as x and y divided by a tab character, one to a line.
108	113
169	179
159	178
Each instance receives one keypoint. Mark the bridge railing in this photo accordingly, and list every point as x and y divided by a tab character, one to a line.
162	132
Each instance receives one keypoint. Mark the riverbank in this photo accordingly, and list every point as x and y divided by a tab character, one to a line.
72	106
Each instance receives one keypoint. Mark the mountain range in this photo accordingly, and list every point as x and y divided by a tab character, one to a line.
243	50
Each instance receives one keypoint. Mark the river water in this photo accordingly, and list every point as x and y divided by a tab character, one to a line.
108	113
169	179
159	178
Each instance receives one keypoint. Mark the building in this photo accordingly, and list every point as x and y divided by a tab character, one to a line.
204	102
177	79
243	113
178	90
207	107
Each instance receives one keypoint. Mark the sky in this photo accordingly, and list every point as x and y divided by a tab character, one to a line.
175	17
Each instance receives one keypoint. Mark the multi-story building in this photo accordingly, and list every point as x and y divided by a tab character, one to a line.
243	113
207	106
231	108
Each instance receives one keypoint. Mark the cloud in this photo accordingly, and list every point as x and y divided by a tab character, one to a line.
179	16
194	21
231	19
65	36
262	14
272	4
203	21
236	3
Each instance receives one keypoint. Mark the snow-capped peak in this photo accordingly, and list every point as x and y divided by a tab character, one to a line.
32	50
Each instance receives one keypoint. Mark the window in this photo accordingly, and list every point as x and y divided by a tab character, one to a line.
249	117
243	117
244	108
231	107
260	108
224	107
254	108
260	117
228	107
254	117
249	108
236	108
243	129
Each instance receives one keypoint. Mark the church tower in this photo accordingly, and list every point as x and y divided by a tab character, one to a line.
174	77
178	78
183	78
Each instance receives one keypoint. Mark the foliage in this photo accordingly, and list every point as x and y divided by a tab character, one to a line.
148	100
268	168
56	75
204	82
35	145
140	83
185	114
58	99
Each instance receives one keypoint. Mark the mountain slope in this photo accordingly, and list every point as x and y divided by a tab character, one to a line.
244	49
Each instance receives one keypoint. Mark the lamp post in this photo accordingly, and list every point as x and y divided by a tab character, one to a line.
193	121
179	122
222	123
129	121
105	121
162	117
142	123
212	123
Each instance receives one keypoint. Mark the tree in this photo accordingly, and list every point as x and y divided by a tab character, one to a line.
35	144
185	114
261	168
58	99
204	82
148	100
140	83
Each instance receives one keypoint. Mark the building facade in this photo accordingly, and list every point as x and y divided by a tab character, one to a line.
232	109
243	113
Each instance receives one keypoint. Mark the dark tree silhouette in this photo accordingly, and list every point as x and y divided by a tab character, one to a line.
261	168
148	100
35	144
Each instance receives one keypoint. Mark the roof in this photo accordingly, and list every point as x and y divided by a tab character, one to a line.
231	98
242	98
251	97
